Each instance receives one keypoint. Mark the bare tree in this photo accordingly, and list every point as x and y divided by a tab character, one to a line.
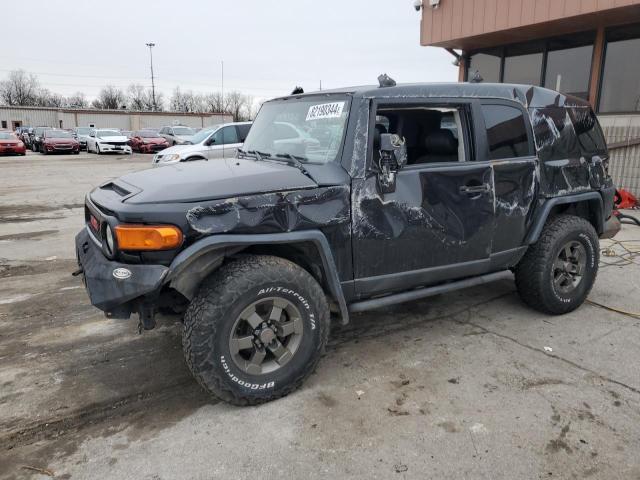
141	98
213	103
20	88
186	102
45	98
109	98
77	100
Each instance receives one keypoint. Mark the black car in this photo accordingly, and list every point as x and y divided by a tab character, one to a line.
35	138
383	195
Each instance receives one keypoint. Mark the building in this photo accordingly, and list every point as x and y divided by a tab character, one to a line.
586	48
13	117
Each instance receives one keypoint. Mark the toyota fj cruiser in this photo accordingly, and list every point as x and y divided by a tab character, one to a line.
347	200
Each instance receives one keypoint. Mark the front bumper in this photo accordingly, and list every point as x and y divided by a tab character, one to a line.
106	148
116	288
16	149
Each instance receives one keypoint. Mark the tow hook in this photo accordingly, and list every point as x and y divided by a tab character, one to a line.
146	318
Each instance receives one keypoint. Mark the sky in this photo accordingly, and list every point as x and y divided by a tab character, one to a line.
267	47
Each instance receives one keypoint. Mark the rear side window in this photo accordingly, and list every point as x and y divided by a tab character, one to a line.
243	131
590	137
506	132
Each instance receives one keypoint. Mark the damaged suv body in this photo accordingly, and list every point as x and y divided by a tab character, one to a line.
347	200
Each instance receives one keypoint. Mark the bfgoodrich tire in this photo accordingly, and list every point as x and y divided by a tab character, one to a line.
557	273
255	330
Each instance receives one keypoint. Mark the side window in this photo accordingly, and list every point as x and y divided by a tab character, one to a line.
506	132
229	135
590	136
243	131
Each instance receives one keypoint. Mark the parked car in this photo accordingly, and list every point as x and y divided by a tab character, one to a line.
25	135
218	142
58	141
390	204
35	138
107	141
10	144
146	141
81	134
177	135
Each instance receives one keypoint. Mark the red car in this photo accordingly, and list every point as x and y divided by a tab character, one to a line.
59	141
147	141
9	143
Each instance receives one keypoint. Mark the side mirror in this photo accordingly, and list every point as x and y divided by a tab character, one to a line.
393	156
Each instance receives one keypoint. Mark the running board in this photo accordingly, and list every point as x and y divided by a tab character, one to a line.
428	291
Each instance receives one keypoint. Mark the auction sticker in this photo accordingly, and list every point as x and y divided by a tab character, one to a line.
325	110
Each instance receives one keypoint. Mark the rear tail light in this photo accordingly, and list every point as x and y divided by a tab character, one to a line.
148	237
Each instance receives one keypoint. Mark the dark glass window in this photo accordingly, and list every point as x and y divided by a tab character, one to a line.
487	64
569	70
590	136
525	69
506	132
621	80
555	134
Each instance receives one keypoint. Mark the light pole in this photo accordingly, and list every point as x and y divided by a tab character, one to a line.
153	85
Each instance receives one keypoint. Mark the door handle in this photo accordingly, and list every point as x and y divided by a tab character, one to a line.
475	189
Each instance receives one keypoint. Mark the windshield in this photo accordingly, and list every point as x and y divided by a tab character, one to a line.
6	136
108	133
83	130
183	131
311	129
201	136
57	134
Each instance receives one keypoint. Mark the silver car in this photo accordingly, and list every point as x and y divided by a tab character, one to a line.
220	141
177	135
82	134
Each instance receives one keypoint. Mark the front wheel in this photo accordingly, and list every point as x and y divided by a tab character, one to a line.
97	149
255	330
557	273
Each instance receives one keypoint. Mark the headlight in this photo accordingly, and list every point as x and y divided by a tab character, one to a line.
111	243
174	157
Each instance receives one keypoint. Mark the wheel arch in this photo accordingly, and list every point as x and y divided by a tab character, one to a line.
308	249
588	205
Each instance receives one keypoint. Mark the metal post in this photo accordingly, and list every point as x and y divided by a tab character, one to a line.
153	85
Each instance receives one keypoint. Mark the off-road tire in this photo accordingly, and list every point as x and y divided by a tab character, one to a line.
212	313
534	273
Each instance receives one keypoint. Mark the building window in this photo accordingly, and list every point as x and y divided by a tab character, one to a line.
523	69
506	132
569	65
487	64
4	124
620	90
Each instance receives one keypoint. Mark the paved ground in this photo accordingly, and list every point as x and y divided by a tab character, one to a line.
465	385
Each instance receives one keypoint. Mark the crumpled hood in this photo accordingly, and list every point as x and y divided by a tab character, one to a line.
113	139
210	180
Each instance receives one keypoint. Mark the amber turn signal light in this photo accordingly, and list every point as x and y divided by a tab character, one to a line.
148	237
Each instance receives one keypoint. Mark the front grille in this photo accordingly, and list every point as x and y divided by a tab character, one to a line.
62	146
116	144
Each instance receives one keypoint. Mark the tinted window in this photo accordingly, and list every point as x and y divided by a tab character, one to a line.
506	132
590	137
487	64
229	135
568	71
621	79
555	136
243	131
525	69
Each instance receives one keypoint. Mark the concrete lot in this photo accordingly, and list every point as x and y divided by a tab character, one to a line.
465	385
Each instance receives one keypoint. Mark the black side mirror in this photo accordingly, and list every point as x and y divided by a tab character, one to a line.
393	156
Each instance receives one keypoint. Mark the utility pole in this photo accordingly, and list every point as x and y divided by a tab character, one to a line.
222	89
153	84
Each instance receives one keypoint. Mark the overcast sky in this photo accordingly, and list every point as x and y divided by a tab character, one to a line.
268	47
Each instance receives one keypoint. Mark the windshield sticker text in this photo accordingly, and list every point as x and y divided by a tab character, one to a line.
325	110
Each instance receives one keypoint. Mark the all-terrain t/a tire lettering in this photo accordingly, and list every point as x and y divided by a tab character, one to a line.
255	330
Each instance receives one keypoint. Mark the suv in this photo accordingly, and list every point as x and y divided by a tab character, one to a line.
178	135
215	142
393	194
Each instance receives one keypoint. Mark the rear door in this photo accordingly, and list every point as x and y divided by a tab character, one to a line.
223	143
511	153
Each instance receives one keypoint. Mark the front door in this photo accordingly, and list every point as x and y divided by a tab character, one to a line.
438	223
223	143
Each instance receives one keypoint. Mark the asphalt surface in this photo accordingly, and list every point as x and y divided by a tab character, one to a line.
466	385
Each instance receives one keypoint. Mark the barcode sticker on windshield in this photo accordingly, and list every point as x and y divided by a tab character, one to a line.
325	110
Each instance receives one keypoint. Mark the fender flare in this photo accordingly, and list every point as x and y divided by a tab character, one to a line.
541	217
212	250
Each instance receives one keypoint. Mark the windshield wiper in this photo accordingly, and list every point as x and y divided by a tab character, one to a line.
295	161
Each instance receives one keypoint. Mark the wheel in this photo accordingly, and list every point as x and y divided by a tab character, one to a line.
43	150
255	330
97	148
557	273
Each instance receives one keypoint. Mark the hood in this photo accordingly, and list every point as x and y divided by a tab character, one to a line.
154	140
217	179
182	149
119	138
184	137
60	140
5	141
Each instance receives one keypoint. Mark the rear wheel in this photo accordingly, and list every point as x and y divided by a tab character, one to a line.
255	330
557	273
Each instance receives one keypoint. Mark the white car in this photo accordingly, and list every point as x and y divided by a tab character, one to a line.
220	141
105	140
